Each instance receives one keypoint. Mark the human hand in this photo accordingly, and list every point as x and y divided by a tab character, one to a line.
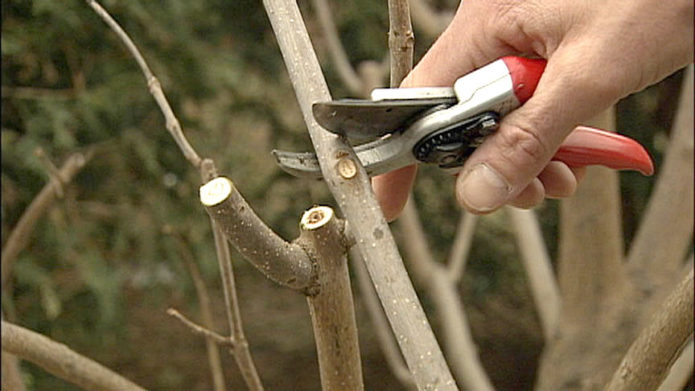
597	52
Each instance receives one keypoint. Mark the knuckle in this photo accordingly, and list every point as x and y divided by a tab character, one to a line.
522	146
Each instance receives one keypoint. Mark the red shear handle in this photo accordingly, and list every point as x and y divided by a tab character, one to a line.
525	74
588	146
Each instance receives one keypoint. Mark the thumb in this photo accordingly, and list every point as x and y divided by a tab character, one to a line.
508	163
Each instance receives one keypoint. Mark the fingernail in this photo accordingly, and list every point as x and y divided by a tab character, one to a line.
482	189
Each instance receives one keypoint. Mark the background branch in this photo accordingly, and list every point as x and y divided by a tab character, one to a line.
429	20
61	361
539	270
19	237
340	59
461	245
665	233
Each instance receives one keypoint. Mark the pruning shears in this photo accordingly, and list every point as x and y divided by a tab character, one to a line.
444	125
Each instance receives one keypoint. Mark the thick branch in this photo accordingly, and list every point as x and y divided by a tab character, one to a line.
647	362
441	288
19	237
352	191
380	323
172	123
665	234
61	361
539	270
283	262
332	310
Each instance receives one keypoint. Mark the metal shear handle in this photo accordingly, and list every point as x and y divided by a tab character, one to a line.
584	146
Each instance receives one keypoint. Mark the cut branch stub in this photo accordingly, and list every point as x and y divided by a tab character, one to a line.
283	262
331	307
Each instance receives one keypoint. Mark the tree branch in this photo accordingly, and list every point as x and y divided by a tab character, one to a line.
539	270
331	308
460	347
205	313
353	193
380	323
19	237
61	361
647	362
401	40
201	330
681	371
283	262
172	123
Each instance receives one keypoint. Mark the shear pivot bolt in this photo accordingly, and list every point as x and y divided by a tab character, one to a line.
347	168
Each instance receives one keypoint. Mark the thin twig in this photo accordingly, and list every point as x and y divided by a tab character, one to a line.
19	237
352	191
205	312
62	361
200	330
336	49
462	245
155	88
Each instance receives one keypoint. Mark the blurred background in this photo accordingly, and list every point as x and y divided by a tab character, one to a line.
108	258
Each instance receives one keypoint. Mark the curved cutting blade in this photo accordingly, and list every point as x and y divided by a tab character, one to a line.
359	119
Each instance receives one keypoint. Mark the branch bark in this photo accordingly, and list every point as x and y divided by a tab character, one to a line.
353	193
441	288
401	40
61	361
647	362
380	323
331	308
19	237
681	370
283	262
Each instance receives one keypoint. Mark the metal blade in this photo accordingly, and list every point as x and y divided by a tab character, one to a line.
366	119
377	157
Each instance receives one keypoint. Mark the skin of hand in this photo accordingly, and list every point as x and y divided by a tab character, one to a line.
598	52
